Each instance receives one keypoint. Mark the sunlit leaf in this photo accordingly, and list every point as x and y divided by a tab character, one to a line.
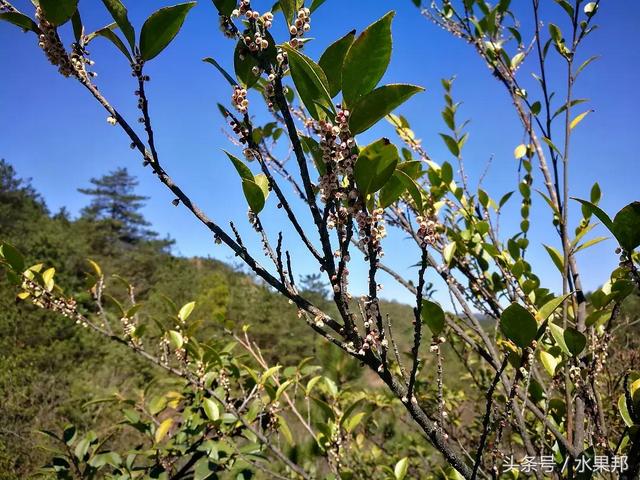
162	27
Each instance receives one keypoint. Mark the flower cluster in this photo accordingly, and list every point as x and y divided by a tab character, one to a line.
52	46
427	231
371	229
257	43
300	26
338	155
239	99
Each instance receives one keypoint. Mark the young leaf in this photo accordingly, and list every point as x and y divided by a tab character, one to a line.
374	106
58	12
556	257
186	310
549	362
211	409
119	13
162	27
520	151
367	60
254	195
449	251
433	316
375	165
20	20
400	470
311	83
176	339
332	61
518	325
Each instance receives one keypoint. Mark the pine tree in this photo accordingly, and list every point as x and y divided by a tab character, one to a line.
115	204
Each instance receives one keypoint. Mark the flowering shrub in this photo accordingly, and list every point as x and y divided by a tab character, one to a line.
536	365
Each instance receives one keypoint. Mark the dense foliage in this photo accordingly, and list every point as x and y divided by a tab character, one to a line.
548	376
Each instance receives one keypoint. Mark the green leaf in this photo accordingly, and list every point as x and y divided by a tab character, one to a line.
176	339
599	213
263	182
400	470
575	341
626	225
225	7
12	256
108	33
549	362
433	316
392	190
20	20
449	251
375	165
288	9
354	421
241	168
332	61
374	106
162	27
556	257
452	145
557	333
367	60
119	13
186	310
254	195
551	306
311	83
518	325
232	81
285	430
316	4
211	409
243	64
58	12
624	411
311	146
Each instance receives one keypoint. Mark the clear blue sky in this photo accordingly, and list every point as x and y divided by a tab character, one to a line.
55	133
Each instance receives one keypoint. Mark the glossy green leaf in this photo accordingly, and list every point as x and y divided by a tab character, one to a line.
254	195
119	13
332	61
225	7
575	341
186	310
240	166
448	252
108	33
316	4
551	306
311	83
557	333
556	257
433	316
626	226
176	339
162	27
451	144
375	165
243	64
20	20
400	469
599	213
549	362
374	106
232	81
518	325
367	60
58	12
211	409
12	256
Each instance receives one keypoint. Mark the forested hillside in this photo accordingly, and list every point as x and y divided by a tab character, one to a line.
50	369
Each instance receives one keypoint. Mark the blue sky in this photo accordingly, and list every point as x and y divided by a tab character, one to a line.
53	132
